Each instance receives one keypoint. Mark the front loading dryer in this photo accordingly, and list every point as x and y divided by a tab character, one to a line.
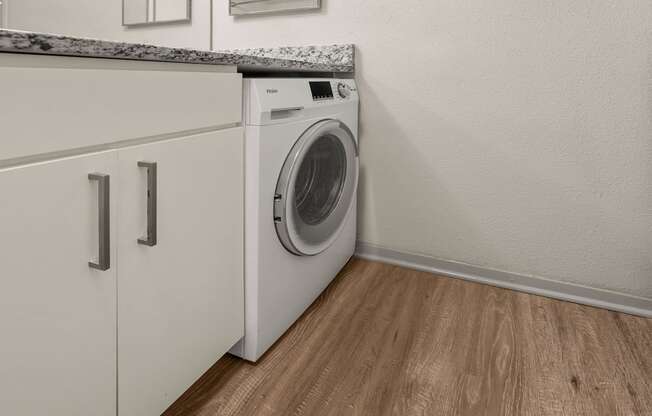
301	179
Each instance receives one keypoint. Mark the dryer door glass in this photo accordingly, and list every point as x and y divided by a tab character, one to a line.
320	179
316	188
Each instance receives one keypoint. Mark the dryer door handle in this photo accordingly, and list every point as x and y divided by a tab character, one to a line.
280	113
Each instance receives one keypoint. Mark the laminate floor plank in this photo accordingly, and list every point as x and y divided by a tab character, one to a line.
384	340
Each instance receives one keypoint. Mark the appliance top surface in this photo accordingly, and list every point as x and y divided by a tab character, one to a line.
278	100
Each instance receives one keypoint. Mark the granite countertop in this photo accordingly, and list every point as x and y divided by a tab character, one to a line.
329	58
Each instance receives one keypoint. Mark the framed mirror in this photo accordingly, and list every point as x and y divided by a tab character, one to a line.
147	12
241	7
3	14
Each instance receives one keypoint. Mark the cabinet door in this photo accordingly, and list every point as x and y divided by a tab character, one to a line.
57	314
180	301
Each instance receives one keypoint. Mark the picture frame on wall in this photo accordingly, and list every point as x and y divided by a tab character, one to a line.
3	14
153	12
244	7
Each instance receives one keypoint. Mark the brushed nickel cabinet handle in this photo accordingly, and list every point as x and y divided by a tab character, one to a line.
150	239
104	220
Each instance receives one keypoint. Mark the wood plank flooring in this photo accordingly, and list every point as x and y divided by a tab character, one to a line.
384	340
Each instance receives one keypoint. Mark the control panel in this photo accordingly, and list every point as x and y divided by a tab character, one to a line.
321	90
277	100
329	90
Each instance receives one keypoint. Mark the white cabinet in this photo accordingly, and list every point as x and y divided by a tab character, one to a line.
180	301
129	335
48	110
57	314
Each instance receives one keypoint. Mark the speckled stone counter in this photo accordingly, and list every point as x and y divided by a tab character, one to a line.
330	58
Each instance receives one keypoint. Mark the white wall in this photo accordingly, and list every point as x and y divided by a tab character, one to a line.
511	134
508	134
103	19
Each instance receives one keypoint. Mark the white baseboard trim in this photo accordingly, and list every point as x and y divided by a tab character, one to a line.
571	292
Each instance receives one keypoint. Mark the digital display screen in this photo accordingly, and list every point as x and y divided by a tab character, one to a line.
321	90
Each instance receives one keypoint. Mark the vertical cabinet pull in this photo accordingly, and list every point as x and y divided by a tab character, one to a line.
104	220
150	239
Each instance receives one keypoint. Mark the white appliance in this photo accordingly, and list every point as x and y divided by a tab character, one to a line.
301	178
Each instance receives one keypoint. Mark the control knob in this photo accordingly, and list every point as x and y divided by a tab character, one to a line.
343	90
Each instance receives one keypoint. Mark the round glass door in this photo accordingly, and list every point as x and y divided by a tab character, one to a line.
316	188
